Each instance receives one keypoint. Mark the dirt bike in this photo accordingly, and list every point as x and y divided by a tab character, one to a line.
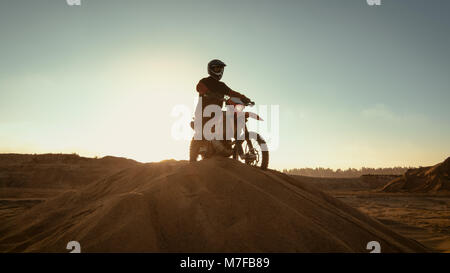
249	147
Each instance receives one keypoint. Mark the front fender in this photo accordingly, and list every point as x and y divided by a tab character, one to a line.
253	115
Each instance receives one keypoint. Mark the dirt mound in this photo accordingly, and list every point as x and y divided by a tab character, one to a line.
216	205
56	171
426	179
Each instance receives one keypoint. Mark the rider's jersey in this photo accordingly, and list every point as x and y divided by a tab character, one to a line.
216	91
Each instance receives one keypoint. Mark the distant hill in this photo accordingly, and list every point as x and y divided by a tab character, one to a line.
425	179
53	171
362	183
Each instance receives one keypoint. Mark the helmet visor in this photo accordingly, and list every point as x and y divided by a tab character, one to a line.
217	69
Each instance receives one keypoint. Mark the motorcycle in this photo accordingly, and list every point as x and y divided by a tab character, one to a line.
249	148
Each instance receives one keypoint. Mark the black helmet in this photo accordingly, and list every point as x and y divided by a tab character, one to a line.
215	68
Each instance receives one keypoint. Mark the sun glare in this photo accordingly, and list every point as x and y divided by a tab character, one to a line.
137	121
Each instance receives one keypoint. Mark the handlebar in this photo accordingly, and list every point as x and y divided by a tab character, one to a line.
234	99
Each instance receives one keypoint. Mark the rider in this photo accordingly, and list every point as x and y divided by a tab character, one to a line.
212	91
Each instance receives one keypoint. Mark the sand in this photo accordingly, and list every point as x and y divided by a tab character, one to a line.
424	217
216	205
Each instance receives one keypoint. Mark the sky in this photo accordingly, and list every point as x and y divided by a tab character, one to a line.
355	85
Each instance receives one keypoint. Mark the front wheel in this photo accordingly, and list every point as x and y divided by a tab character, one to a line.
255	146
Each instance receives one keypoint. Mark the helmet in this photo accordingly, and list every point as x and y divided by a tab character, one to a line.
215	68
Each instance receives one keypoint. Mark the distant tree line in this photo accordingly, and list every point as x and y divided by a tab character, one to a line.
350	172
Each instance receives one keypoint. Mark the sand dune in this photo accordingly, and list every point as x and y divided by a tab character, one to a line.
217	205
426	179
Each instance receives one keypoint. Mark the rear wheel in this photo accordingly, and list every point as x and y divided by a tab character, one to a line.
257	147
194	149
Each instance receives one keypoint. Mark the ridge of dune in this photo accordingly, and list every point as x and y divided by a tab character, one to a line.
425	179
215	205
